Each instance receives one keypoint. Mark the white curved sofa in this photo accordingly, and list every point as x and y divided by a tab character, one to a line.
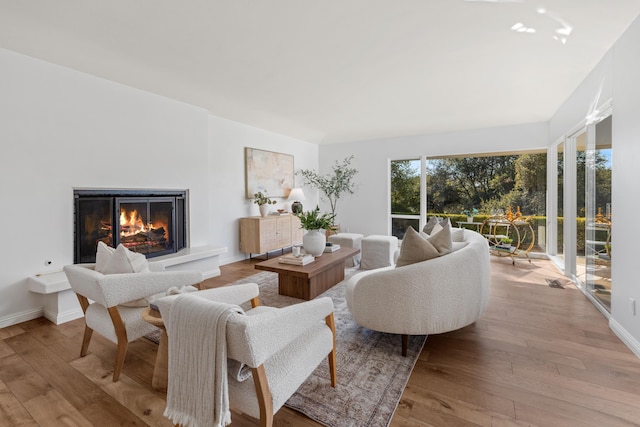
429	297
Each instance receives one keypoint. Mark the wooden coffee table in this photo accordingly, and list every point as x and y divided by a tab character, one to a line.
308	281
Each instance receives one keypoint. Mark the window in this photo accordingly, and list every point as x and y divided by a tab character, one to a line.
405	196
449	186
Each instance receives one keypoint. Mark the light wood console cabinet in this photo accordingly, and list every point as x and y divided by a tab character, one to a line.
260	235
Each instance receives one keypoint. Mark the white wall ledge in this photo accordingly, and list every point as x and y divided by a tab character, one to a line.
189	254
49	283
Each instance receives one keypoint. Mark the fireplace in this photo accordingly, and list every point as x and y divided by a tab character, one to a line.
150	222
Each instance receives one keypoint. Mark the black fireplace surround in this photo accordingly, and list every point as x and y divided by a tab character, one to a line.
151	222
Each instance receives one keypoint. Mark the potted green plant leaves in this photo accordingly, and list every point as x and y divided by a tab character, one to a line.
314	240
264	202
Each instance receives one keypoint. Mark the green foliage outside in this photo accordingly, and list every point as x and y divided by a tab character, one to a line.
602	177
488	183
457	185
405	187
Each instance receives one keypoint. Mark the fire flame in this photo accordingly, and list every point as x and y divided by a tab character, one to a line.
131	223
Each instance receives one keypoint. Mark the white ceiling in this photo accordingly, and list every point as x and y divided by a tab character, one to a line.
332	70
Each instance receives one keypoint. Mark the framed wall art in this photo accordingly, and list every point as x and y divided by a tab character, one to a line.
268	171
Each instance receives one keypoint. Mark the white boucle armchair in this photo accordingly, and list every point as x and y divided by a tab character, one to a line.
101	297
280	346
429	297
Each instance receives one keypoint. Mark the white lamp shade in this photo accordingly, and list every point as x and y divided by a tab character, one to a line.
296	194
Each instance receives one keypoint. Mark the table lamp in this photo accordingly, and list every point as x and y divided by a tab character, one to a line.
296	195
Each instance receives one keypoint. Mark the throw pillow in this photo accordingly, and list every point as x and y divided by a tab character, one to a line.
457	235
437	227
416	248
103	255
125	261
441	239
121	260
428	227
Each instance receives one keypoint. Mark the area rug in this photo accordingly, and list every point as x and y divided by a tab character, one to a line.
372	373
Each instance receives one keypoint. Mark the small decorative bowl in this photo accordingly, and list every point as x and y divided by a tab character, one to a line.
280	210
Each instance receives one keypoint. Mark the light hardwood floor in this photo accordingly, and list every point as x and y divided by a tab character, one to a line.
538	356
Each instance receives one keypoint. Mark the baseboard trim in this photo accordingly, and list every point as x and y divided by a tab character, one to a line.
23	316
626	337
66	316
211	273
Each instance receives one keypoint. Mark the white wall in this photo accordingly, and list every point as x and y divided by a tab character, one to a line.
60	130
597	86
366	212
626	176
227	140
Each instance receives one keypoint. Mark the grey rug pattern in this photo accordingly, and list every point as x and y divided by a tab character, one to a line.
372	373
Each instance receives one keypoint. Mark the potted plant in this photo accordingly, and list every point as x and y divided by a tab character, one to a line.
506	241
264	202
505	244
333	185
314	241
470	213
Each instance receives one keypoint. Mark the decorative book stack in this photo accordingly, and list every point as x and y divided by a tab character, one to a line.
505	248
296	260
332	248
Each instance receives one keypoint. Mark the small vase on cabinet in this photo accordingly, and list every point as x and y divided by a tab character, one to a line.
264	210
314	242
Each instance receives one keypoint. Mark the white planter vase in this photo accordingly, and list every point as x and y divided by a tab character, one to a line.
314	242
265	209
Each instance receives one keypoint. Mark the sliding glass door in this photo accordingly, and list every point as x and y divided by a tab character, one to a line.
583	209
560	204
580	216
598	216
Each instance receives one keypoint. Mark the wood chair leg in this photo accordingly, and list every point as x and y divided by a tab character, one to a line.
123	342
255	302
332	355
405	344
265	401
88	333
121	353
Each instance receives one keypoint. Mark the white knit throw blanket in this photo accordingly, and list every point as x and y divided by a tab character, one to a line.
198	394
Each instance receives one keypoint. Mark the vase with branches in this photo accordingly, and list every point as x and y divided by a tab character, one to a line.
333	185
264	202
